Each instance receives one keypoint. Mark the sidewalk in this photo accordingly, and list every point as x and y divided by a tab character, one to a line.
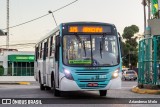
21	80
145	91
16	82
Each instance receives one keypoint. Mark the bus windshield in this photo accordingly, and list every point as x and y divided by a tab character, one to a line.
90	50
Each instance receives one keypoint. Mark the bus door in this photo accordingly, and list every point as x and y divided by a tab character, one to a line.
44	61
57	42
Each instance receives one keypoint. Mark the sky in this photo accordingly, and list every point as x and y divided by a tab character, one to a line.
122	13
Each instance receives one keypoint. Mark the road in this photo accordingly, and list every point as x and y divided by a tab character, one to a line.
78	98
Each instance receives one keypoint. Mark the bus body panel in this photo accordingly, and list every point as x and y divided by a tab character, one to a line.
82	79
49	66
70	85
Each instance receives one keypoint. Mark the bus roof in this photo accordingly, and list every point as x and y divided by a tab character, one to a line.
47	35
72	23
87	23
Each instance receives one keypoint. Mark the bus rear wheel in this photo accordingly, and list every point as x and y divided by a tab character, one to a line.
102	92
48	88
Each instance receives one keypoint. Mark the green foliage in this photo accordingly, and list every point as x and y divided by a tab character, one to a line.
129	31
156	15
130	46
1	70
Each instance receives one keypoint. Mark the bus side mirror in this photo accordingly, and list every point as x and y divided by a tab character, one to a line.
121	44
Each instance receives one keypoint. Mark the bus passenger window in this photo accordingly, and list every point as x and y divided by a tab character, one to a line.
41	51
51	42
47	48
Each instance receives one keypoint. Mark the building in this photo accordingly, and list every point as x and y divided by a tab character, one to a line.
17	64
4	49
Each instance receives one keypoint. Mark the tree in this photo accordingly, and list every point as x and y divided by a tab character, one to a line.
130	46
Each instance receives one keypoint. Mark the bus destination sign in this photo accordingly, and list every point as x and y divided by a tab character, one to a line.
89	29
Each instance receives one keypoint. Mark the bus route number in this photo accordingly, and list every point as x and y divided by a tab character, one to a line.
102	76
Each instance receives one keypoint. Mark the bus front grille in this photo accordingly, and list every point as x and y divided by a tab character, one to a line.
83	78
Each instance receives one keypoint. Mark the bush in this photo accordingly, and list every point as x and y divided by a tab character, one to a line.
1	70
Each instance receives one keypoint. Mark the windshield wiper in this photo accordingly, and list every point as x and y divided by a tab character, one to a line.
84	48
78	38
102	43
100	47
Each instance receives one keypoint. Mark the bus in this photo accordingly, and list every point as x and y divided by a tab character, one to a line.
79	56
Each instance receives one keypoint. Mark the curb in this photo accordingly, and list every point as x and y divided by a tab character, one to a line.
15	83
23	83
145	91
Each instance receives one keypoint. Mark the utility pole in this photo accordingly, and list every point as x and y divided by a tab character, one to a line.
149	9
7	38
144	11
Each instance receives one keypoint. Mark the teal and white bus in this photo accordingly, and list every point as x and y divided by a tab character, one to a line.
79	56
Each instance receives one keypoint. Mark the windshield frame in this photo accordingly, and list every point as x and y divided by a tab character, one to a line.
91	65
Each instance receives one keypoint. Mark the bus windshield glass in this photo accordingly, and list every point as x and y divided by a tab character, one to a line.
90	50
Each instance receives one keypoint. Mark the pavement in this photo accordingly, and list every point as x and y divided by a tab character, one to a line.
135	89
145	91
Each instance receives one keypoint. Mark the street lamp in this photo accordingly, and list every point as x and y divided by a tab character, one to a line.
2	33
53	16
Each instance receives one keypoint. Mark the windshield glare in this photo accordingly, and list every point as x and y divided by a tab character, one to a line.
90	50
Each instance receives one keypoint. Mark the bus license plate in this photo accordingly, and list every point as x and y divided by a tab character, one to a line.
92	84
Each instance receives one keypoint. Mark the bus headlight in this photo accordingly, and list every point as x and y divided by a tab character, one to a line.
68	74
115	74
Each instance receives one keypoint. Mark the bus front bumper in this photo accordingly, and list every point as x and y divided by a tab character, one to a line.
70	85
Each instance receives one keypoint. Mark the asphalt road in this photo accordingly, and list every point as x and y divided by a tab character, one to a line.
80	98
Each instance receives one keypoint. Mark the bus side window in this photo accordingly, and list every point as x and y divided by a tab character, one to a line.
36	53
47	48
41	51
53	45
51	42
42	48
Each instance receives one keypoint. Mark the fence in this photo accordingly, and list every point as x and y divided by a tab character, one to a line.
149	61
18	71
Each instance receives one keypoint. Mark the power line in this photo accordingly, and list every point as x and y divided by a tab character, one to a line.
41	16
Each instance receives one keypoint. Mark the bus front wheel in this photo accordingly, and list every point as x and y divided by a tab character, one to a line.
55	91
102	92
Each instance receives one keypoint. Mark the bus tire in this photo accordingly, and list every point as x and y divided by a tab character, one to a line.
42	87
55	91
102	92
48	88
